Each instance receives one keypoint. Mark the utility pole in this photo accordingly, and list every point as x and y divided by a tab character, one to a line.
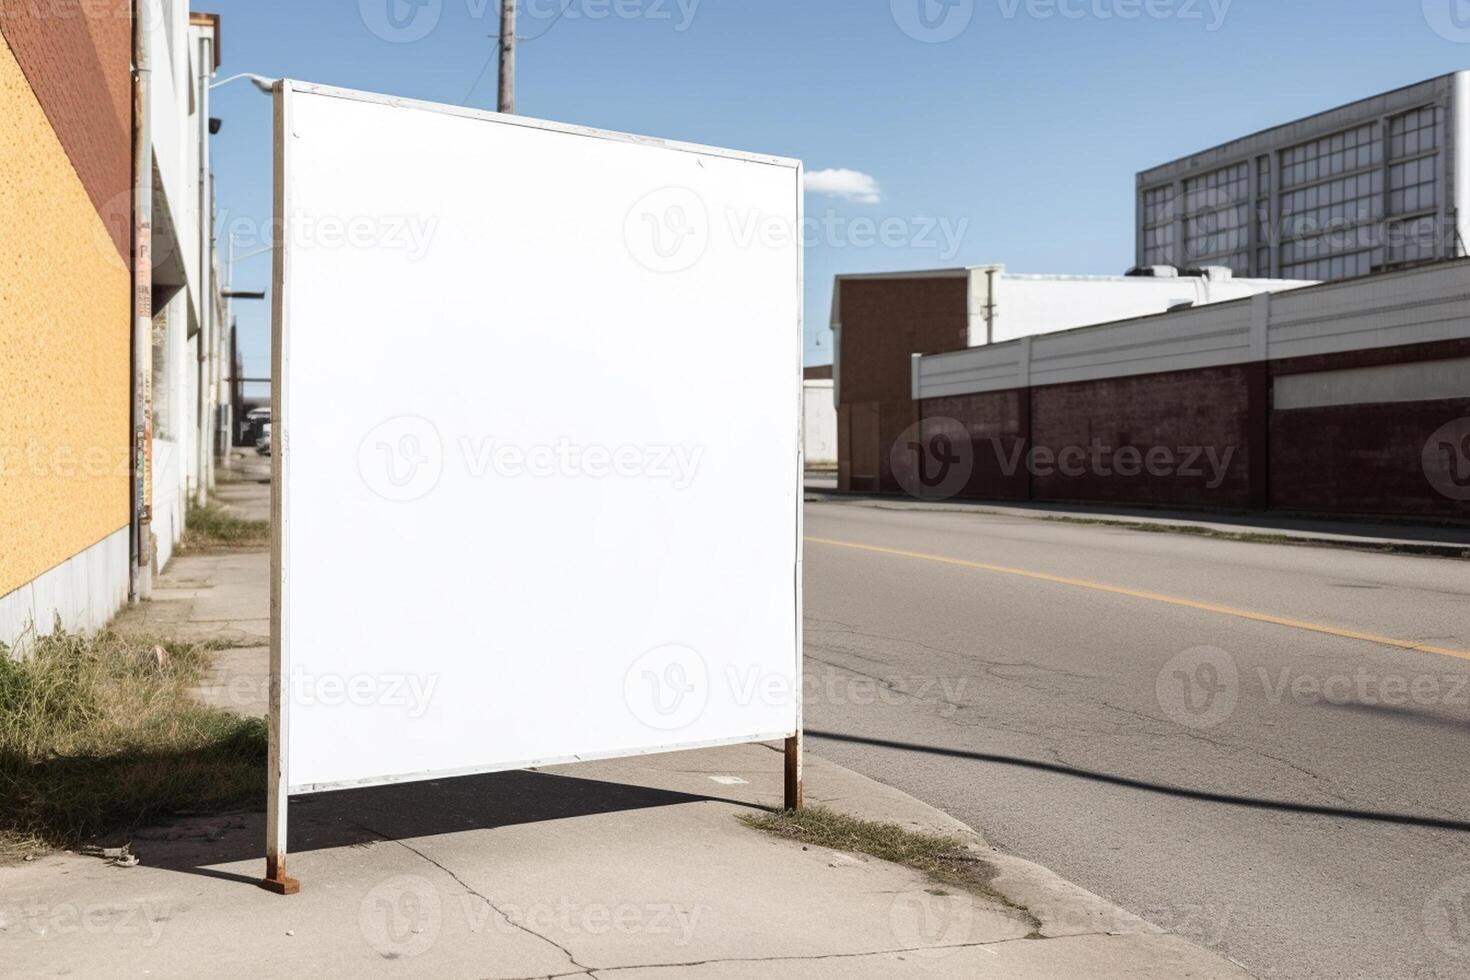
507	56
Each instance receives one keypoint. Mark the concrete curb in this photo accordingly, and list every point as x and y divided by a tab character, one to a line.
1454	549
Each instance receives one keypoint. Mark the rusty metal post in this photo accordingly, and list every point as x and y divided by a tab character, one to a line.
278	784
793	773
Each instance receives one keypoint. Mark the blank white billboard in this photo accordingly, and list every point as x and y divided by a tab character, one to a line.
538	437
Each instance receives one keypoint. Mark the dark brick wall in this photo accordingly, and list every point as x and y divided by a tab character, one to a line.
1219	445
1195	423
77	56
1371	459
998	425
884	322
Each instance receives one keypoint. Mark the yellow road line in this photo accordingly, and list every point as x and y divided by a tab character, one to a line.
1152	597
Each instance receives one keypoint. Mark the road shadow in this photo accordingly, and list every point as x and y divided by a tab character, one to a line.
1420	715
1162	789
362	817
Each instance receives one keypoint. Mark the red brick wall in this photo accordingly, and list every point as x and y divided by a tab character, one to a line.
1199	419
1351	459
1363	459
884	322
998	425
77	55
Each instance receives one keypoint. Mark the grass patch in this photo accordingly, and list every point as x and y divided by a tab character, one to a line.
946	860
214	528
99	736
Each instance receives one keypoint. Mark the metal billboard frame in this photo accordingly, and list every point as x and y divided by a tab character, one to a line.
278	788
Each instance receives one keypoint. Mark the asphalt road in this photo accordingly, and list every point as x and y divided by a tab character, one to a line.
1100	701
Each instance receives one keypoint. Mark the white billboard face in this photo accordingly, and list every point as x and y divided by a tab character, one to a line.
538	442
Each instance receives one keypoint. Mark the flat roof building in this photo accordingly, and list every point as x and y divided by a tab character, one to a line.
1369	186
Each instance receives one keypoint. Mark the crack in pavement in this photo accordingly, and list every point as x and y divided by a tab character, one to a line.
890	685
582	969
817	957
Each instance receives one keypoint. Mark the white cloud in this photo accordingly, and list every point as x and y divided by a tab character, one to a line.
853	185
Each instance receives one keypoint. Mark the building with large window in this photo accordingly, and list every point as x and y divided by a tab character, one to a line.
1366	187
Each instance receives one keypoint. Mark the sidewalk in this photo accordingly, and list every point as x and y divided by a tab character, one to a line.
1437	540
634	867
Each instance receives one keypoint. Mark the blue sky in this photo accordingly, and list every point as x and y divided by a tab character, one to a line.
982	131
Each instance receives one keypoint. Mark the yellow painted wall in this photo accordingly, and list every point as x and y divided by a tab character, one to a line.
64	350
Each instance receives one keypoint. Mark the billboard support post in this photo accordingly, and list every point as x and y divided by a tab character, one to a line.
278	788
793	772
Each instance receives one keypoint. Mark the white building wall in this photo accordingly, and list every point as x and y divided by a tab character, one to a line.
81	593
1007	306
819	424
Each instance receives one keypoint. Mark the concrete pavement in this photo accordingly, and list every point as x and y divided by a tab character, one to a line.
634	867
1284	790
